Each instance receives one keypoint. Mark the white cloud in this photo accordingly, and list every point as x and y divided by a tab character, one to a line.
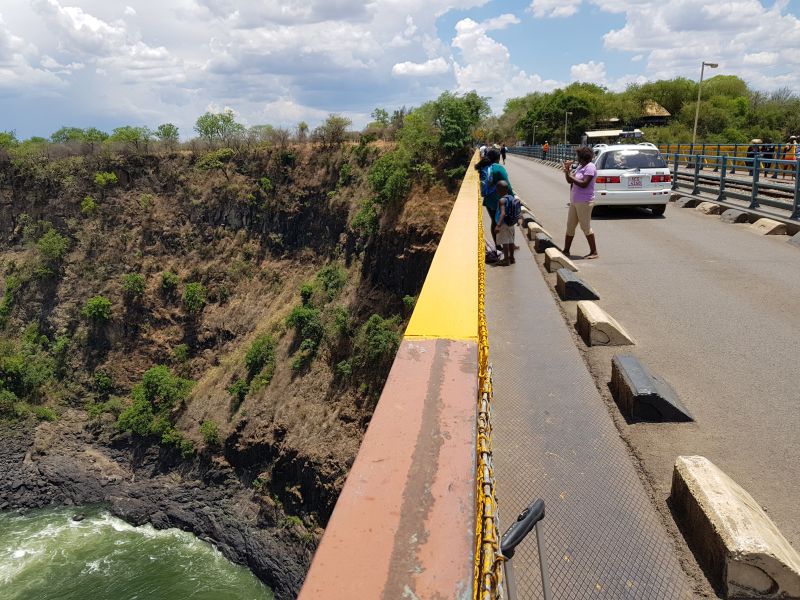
129	11
435	66
554	8
590	72
500	22
18	71
486	67
745	37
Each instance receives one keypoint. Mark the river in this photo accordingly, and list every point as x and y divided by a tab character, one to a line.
46	555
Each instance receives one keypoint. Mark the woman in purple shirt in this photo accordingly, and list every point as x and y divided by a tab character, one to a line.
581	201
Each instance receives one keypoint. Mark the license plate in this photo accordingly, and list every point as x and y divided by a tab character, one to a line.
634	182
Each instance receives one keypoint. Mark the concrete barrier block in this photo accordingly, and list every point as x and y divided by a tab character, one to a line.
684	202
640	394
534	228
541	242
731	535
708	208
555	259
734	216
768	227
598	328
795	239
570	287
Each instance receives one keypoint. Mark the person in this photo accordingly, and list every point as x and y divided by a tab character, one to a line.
767	154
503	151
752	150
581	199
789	153
504	232
491	172
545	149
482	150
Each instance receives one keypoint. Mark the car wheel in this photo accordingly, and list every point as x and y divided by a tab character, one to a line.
658	210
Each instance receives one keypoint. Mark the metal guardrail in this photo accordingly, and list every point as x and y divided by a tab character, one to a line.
757	183
556	153
738	154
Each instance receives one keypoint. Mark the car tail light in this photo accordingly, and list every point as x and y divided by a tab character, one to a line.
608	179
661	178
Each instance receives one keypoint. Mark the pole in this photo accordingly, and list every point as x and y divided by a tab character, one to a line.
534	135
697	108
566	113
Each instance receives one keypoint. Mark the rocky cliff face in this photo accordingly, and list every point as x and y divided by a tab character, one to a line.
250	459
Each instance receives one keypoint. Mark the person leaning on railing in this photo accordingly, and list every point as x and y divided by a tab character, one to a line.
790	153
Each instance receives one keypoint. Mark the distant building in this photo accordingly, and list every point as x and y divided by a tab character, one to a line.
653	114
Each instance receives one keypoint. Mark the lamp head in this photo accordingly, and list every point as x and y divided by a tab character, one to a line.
711	65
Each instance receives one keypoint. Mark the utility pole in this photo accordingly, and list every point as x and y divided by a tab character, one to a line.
699	86
566	114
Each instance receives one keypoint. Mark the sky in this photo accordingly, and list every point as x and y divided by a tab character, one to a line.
108	63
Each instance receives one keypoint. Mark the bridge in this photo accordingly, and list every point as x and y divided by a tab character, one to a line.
455	450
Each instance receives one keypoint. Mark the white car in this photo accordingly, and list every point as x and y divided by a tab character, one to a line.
632	175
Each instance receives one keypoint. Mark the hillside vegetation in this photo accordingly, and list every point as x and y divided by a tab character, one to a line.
222	302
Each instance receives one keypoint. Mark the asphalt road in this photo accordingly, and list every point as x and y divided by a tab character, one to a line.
715	310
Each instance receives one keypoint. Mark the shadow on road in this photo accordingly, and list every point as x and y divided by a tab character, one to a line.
610	213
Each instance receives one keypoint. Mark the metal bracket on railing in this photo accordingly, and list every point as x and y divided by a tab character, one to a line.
721	196
675	174
696	188
756	166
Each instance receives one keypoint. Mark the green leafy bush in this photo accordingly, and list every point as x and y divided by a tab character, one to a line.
43	413
332	279
146	201
169	281
366	221
181	353
194	298
307	322
265	184
103	384
238	390
341	321
52	246
88	206
260	356
133	284
105	179
376	343
210	432
306	291
7	401
162	389
13	283
409	302
97	309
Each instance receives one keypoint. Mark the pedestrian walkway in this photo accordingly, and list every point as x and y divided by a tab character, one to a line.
554	439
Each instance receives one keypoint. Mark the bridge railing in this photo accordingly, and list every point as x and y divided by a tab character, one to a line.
756	184
417	517
556	153
738	154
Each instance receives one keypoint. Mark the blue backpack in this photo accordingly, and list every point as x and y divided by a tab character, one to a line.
513	210
488	187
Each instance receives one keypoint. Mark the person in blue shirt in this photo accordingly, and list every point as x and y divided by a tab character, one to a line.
491	167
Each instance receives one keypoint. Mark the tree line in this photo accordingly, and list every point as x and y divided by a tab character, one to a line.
730	112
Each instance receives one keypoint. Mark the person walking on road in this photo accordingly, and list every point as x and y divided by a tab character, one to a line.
545	149
491	172
581	199
503	151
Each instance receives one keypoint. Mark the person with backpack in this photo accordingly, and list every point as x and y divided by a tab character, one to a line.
491	172
508	210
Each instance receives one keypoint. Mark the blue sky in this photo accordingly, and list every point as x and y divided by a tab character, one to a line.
107	63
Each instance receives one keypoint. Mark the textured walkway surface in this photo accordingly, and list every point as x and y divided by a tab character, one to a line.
554	439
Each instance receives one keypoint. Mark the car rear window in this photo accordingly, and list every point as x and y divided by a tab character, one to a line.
632	159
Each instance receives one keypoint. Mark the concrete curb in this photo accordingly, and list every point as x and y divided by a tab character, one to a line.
534	228
555	259
684	202
570	287
541	242
708	208
731	535
768	227
732	215
641	394
598	328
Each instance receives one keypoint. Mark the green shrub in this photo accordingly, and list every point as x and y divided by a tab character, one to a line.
103	384
376	343
307	322
97	309
13	283
341	321
260	356
332	278
169	281
7	401
181	353
265	184
409	302
344	369
105	179
194	298
345	175
133	285
52	246
210	432
390	179
238	390
294	521
137	417
146	201
43	413
367	220
306	291
88	206
113	405
162	389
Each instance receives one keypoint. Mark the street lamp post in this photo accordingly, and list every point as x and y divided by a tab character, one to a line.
566	114
534	133
699	85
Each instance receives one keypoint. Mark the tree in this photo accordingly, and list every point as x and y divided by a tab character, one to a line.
65	135
219	126
333	131
133	137
93	136
216	159
381	115
302	131
168	134
208	127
